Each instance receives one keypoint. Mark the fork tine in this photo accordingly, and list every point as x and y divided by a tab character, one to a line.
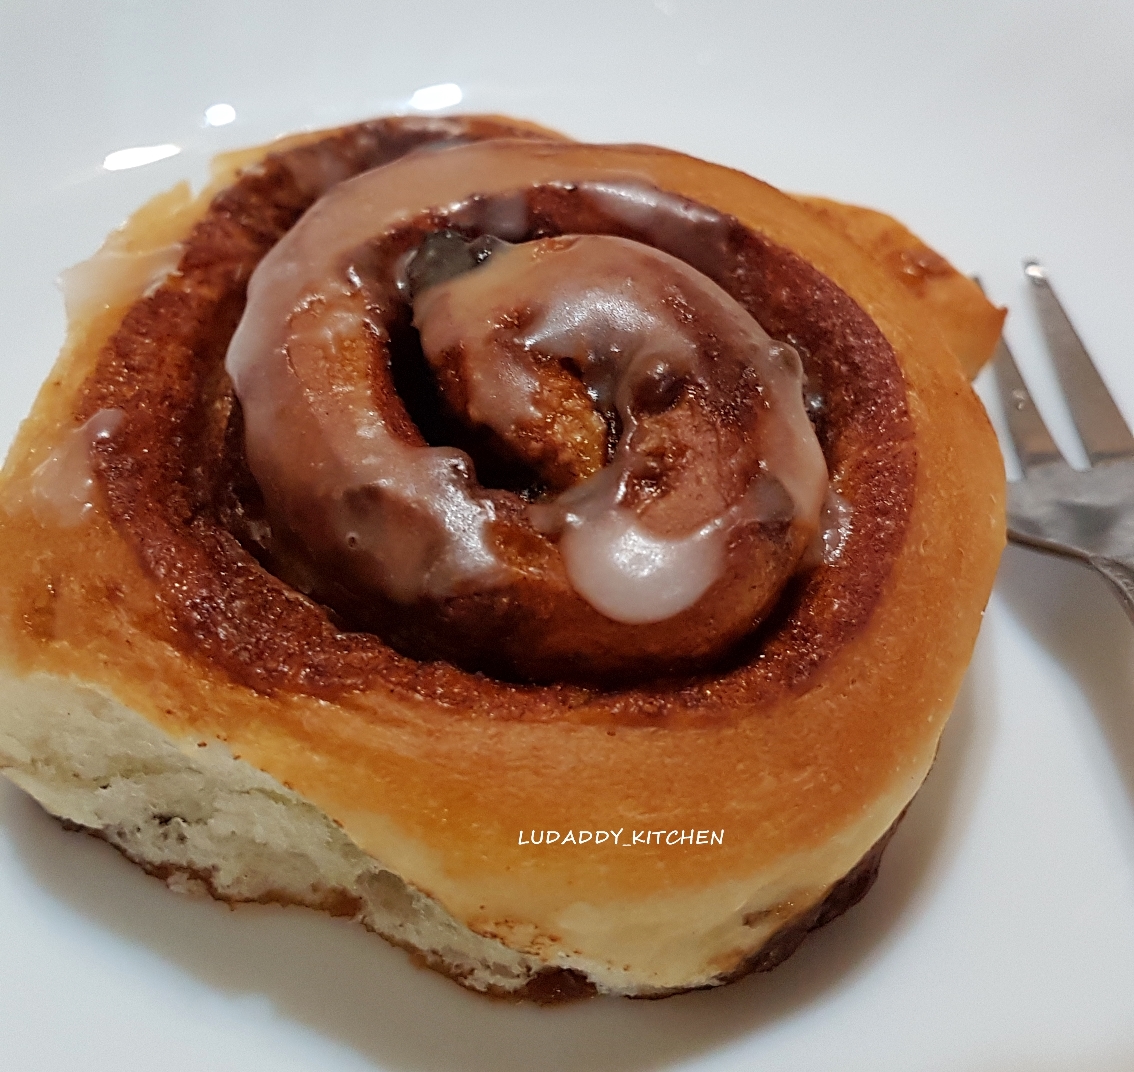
1030	437
1100	425
1033	442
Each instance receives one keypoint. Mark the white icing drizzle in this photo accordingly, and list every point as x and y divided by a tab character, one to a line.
835	524
505	216
112	276
630	574
694	233
328	459
622	314
62	485
409	518
633	576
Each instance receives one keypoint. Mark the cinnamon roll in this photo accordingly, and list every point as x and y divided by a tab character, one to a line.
561	558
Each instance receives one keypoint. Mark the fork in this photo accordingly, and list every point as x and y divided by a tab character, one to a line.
1087	515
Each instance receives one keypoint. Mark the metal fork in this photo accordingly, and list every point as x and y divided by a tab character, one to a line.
1087	515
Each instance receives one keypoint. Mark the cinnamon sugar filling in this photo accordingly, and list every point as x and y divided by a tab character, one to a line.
179	490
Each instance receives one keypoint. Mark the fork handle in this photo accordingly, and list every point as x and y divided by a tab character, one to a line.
1121	577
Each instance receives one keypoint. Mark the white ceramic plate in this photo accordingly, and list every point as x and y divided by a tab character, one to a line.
1000	935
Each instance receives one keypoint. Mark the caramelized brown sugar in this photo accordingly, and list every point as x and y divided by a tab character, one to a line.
403	537
836	706
176	486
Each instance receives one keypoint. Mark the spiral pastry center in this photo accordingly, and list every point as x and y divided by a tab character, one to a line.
677	481
556	344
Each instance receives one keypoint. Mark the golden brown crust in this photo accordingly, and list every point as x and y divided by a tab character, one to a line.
551	986
178	491
969	323
803	779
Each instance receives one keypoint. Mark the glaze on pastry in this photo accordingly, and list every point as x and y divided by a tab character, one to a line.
344	624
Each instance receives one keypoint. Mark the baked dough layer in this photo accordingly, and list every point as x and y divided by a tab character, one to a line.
178	490
392	781
204	821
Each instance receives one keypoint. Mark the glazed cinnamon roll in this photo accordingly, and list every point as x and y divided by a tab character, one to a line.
561	558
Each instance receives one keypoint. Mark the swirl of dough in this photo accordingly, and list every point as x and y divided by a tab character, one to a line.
148	586
678	481
555	341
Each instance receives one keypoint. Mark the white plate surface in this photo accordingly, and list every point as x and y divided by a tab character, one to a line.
1000	935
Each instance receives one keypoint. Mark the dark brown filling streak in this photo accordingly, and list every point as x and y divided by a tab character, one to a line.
178	491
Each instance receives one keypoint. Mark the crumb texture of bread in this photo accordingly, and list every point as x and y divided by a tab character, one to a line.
205	821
